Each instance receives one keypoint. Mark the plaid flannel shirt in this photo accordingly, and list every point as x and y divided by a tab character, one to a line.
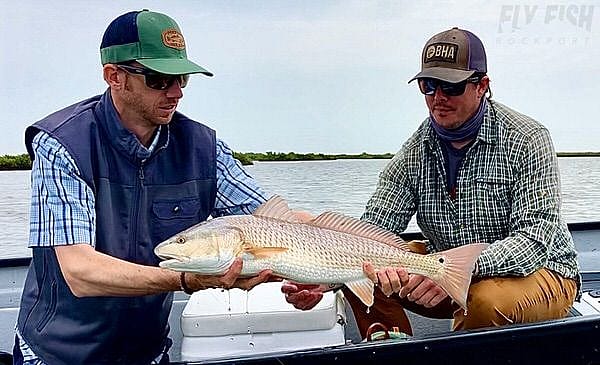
507	194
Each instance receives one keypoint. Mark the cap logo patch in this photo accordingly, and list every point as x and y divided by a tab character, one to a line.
173	39
445	52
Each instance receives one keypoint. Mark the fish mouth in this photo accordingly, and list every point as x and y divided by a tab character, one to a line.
212	267
172	257
170	263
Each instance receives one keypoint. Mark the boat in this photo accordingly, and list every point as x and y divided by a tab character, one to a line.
571	340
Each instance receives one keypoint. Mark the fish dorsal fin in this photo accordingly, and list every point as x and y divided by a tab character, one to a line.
341	223
363	289
277	208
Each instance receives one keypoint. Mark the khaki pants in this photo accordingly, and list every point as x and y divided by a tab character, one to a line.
493	301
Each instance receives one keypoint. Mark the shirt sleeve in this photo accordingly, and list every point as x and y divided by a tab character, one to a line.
237	191
535	222
62	204
393	203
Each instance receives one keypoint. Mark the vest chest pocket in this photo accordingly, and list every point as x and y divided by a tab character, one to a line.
176	209
173	216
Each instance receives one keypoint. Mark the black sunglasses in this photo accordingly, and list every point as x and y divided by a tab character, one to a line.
429	85
155	80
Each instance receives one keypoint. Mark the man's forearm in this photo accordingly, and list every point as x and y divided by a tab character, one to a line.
91	273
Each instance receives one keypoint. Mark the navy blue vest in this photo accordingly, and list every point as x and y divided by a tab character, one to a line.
139	203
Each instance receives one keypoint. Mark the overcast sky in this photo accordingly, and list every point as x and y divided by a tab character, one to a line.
313	76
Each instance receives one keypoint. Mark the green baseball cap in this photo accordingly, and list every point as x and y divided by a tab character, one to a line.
152	39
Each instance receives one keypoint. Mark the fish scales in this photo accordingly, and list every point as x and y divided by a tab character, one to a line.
330	248
316	254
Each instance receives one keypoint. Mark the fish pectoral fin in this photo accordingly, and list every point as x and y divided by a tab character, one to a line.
264	252
363	289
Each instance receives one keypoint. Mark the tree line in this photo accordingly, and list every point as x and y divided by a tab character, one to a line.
16	162
246	158
23	162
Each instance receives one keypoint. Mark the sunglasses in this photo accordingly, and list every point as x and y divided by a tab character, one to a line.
428	86
155	80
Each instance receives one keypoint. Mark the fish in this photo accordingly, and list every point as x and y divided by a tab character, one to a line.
329	249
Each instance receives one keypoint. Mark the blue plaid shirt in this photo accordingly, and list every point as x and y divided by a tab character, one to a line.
62	204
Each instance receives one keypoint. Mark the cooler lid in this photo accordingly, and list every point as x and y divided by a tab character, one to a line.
218	312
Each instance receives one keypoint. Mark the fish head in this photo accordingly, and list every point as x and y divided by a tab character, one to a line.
201	249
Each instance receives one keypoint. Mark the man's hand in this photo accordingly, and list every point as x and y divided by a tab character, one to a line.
415	288
302	296
423	291
228	280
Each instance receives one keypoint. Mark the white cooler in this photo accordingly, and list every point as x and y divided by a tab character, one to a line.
219	323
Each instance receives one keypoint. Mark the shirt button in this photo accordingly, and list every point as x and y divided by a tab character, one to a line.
176	209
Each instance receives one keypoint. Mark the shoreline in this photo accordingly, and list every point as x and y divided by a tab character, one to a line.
22	162
248	157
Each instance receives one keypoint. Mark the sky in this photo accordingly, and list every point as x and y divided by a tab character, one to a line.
313	76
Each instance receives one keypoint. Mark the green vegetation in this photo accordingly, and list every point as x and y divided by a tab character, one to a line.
248	157
18	162
243	158
22	162
578	154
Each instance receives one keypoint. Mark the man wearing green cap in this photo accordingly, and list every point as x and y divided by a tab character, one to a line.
113	176
475	171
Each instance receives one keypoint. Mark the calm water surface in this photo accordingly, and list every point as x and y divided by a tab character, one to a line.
341	185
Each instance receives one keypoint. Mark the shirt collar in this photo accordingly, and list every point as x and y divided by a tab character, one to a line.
489	130
154	140
121	138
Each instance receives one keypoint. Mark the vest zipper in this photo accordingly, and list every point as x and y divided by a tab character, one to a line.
136	208
141	174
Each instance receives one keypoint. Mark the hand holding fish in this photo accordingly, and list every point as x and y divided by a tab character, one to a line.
423	291
414	287
230	279
302	296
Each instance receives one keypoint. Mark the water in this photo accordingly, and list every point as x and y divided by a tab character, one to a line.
14	213
346	185
316	186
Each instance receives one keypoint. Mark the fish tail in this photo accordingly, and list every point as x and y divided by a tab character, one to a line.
458	265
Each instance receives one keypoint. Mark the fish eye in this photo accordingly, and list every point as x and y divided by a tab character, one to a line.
180	240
